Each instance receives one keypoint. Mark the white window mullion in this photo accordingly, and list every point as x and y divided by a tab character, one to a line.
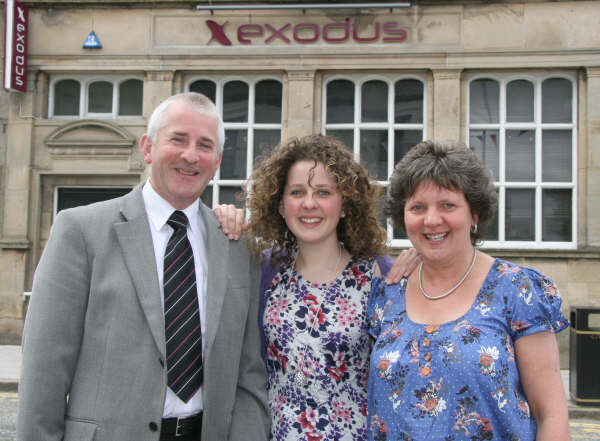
357	121
501	184
251	113
324	108
83	99
502	162
391	160
501	213
215	194
538	185
115	98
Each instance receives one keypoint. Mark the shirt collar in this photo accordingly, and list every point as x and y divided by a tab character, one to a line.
159	210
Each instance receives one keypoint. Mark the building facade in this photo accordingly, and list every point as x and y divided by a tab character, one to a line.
518	81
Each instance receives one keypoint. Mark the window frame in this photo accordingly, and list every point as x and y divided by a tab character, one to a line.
537	126
250	126
84	83
390	126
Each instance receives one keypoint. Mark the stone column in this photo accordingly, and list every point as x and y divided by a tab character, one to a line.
446	104
299	106
158	85
15	243
593	158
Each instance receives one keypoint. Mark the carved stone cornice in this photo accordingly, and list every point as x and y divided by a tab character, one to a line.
160	75
592	71
446	74
301	75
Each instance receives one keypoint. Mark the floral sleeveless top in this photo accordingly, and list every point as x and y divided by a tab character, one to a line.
317	354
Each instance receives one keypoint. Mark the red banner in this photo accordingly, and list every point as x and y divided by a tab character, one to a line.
16	25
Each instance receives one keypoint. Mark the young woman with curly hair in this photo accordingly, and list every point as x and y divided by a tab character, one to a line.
314	223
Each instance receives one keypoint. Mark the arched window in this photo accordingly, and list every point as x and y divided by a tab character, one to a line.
524	130
378	119
251	110
106	97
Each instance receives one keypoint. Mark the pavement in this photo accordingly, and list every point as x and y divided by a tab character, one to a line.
10	365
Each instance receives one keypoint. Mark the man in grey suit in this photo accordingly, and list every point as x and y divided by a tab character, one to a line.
99	362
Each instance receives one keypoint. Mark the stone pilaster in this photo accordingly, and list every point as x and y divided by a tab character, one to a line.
446	104
158	85
593	157
15	243
299	110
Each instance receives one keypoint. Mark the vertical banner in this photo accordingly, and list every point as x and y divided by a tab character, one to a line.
16	25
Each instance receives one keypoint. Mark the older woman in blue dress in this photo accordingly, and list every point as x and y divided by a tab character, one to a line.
465	346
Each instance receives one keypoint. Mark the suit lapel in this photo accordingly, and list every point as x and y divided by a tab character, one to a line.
217	250
135	240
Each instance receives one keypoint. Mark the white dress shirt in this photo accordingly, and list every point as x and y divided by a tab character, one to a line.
159	211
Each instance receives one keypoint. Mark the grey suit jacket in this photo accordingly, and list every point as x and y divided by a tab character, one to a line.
93	364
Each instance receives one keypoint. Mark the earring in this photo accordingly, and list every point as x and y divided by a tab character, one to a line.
342	214
474	229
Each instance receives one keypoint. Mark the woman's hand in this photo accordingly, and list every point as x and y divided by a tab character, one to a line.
232	220
404	264
539	368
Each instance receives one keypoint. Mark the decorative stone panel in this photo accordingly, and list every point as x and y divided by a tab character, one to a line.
90	138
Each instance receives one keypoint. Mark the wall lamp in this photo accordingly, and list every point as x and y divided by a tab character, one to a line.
303	6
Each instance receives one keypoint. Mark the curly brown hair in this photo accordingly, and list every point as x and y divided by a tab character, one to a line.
359	230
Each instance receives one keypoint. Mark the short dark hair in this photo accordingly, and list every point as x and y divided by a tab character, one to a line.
450	165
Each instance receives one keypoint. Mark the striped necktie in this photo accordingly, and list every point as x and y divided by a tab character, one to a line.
182	316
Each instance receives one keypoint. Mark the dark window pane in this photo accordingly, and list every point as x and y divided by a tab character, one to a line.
373	152
556	155
70	197
556	215
492	232
268	102
235	102
520	155
485	145
374	101
557	101
484	101
229	195
399	233
520	214
100	96
205	87
404	140
346	136
519	101
66	98
235	150
340	102
264	142
130	97
408	102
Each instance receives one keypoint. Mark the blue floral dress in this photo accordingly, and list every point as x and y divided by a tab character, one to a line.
458	380
318	332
